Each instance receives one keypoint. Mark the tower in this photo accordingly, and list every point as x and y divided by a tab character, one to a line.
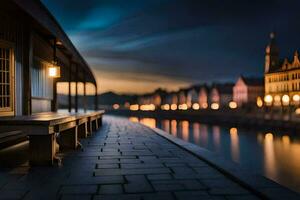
272	55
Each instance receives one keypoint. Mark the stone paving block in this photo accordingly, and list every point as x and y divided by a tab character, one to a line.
76	197
159	177
79	189
137	153
111	189
192	195
118	197
158	196
208	173
124	160
107	166
108	161
95	180
131	171
140	165
170	186
137	184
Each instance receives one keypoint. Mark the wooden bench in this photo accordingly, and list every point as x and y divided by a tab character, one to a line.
43	129
12	137
94	120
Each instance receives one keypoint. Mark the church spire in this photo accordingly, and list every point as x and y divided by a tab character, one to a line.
272	54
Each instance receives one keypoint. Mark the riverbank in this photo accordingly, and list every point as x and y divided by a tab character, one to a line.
259	119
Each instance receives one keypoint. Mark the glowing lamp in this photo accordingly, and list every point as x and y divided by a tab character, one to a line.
214	106
277	100
269	136
285	100
196	106
232	105
296	98
297	111
259	102
134	107
233	131
116	106
183	107
268	99
54	71
147	107
165	107
174	106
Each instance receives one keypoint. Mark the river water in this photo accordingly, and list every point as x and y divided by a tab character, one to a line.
273	154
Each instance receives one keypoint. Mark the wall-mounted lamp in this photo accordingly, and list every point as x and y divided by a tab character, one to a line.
54	71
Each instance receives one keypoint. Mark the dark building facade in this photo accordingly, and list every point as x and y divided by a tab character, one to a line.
31	42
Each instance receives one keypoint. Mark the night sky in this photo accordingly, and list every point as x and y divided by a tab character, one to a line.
138	45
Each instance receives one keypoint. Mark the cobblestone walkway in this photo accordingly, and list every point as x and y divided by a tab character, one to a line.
123	160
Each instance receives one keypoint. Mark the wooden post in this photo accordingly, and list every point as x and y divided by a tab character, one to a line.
76	90
69	94
55	62
54	101
96	97
84	95
27	63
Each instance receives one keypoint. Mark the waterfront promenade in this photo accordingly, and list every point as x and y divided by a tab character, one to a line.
123	160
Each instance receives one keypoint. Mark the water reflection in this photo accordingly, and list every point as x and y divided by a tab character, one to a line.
271	154
216	131
174	128
148	122
166	125
235	146
196	132
185	130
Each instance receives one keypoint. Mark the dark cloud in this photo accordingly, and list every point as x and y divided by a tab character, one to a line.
191	40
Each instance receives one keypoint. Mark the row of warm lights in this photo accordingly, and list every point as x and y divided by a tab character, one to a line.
285	99
195	106
148	107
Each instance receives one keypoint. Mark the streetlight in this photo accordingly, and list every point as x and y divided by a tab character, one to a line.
232	105
268	100
285	100
259	102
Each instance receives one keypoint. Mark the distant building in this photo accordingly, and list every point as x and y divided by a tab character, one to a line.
221	94
193	96
182	96
246	90
171	98
203	97
282	77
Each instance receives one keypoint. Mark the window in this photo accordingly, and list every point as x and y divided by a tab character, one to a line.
6	80
41	84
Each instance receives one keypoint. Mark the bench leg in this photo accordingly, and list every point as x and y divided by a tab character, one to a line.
83	130
68	139
95	125
42	149
90	127
99	122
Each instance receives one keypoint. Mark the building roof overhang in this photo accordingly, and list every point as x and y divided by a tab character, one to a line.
45	22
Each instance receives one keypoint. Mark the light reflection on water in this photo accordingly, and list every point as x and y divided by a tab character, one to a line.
275	155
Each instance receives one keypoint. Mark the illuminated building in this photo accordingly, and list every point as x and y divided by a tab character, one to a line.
282	77
203	97
221	95
246	90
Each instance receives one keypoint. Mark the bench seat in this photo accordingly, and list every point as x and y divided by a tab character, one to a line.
9	138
